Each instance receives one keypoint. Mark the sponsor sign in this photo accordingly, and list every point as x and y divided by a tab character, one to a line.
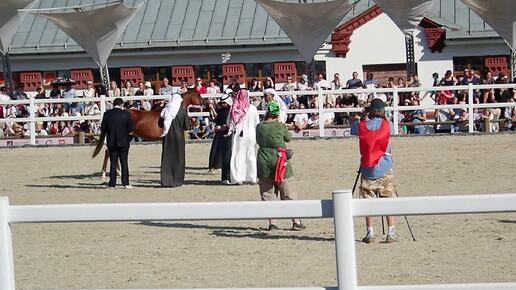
39	141
337	132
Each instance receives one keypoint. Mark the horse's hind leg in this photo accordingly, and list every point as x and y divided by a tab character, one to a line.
104	164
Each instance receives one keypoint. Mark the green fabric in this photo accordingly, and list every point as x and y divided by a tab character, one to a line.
273	108
270	136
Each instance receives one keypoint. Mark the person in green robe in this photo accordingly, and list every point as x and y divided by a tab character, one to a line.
272	135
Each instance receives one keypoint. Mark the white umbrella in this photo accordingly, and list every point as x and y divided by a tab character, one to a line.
307	25
9	20
95	30
500	15
406	14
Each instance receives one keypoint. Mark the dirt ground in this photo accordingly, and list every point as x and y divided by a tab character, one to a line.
479	248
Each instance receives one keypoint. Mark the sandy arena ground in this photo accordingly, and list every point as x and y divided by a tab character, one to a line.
462	248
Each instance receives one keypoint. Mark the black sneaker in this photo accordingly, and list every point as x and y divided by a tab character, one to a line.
298	226
273	227
368	239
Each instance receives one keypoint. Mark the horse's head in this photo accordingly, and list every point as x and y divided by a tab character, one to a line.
191	97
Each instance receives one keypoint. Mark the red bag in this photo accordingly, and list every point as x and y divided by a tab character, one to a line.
281	165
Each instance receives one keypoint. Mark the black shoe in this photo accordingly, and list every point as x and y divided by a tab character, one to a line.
298	226
273	227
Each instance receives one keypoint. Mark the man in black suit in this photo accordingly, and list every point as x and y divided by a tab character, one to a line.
117	125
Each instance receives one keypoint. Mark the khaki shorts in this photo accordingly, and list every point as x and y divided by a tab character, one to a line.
381	187
285	189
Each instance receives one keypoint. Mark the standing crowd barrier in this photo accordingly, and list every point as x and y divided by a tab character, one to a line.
396	108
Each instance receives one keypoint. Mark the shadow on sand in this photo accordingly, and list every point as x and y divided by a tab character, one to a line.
241	232
68	186
75	176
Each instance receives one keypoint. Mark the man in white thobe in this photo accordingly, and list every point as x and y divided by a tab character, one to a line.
242	124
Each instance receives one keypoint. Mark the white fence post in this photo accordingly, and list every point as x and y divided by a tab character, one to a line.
345	240
6	249
395	113
471	117
102	104
32	123
320	105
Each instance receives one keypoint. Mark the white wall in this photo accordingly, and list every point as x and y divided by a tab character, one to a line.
378	42
381	42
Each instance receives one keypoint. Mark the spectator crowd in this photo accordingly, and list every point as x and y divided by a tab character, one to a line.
413	121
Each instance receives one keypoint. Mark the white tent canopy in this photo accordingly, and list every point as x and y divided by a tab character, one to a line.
9	20
500	15
95	30
307	25
407	14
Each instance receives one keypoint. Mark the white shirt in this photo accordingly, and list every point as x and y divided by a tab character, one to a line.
170	111
381	96
146	105
214	90
329	117
371	84
92	110
322	84
148	92
127	92
89	93
4	98
300	118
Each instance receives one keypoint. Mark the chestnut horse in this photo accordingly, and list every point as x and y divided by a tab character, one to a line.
146	122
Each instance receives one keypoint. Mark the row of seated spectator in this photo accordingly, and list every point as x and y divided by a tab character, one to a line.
203	127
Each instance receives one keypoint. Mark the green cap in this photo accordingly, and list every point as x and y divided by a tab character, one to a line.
273	108
377	105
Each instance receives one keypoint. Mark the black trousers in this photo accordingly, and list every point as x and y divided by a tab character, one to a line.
115	154
225	149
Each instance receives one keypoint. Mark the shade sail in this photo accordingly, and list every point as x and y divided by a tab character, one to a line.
500	15
307	25
95	30
9	20
406	14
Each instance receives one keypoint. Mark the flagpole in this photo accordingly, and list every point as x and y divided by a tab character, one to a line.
8	75
410	57
311	72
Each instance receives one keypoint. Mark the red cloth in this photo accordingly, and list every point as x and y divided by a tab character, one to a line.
281	165
373	143
201	89
240	106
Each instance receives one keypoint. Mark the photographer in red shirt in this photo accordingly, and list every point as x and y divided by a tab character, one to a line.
376	164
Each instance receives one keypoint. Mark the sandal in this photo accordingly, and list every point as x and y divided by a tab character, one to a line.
298	226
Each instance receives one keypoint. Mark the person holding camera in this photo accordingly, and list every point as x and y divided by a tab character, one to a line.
377	180
274	168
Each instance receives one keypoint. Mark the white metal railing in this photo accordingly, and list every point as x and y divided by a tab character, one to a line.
343	208
470	106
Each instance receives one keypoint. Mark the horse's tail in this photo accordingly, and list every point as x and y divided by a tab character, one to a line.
100	144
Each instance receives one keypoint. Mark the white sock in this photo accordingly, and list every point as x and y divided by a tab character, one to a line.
370	231
392	231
